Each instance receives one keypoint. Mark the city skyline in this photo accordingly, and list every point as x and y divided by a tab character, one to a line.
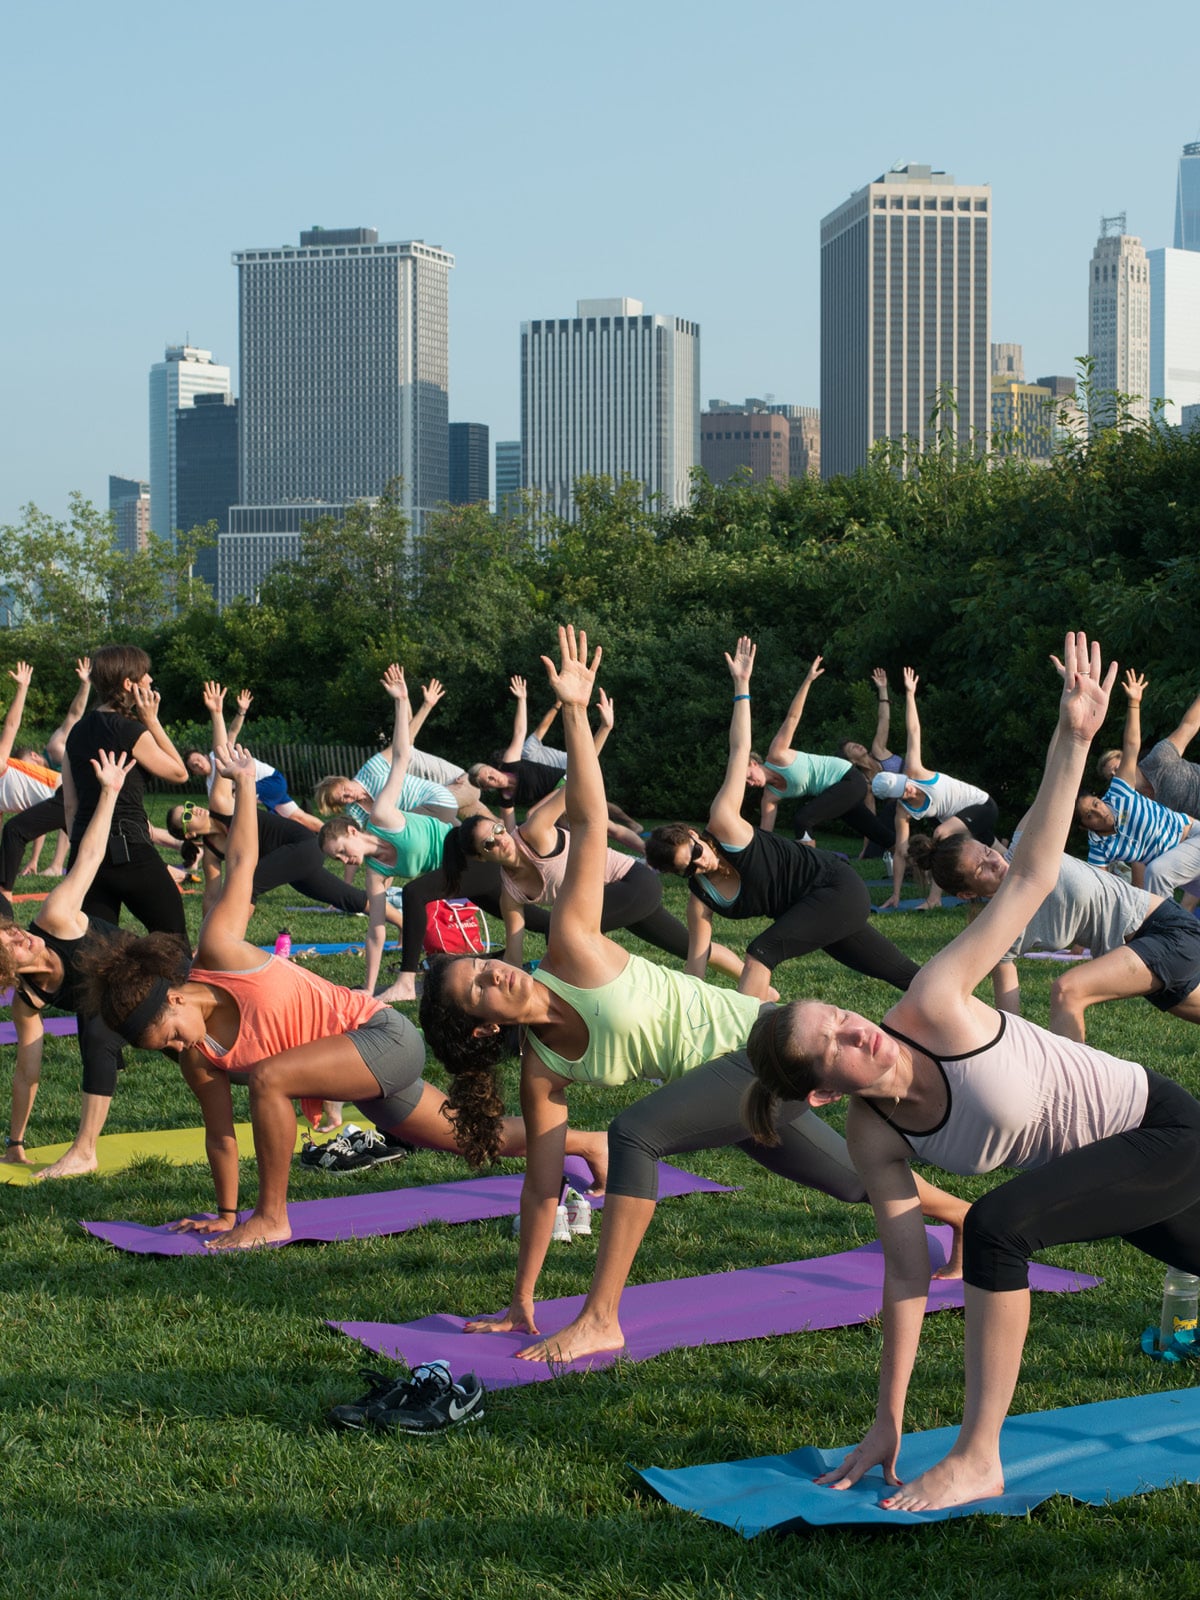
713	237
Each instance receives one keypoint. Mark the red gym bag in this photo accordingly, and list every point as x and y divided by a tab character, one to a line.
456	927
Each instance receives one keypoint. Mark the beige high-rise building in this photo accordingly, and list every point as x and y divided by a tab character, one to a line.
905	314
1118	325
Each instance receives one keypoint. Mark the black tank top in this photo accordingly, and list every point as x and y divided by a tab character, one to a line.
68	995
776	873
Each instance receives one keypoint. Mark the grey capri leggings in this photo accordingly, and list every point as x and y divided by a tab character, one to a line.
702	1111
394	1051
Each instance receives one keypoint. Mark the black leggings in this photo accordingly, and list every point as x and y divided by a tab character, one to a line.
980	821
1142	1186
480	882
302	865
47	816
142	883
702	1111
835	917
846	799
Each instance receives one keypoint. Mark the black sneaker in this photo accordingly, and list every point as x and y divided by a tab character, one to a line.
429	1402
384	1385
357	1148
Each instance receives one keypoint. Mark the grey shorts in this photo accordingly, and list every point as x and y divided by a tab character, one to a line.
1169	943
394	1052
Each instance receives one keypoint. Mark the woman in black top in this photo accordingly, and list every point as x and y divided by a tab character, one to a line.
43	965
815	900
125	721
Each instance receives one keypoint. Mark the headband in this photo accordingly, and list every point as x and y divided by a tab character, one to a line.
144	1012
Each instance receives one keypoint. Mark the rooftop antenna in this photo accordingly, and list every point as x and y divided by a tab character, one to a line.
1112	227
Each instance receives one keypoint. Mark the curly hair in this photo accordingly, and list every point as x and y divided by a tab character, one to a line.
665	840
781	1072
942	859
8	960
475	1104
112	666
120	972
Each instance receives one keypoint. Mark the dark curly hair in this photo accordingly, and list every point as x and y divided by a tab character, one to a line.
665	841
8	961
120	972
475	1103
780	1071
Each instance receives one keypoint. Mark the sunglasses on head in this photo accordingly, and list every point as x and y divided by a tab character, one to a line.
693	866
491	838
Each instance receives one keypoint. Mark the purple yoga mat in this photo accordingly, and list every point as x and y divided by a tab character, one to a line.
63	1026
388	1211
720	1308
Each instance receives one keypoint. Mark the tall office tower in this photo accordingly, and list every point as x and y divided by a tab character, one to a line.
1008	362
344	370
129	506
1174	330
905	313
1187	200
508	477
1118	324
613	391
470	474
744	439
206	470
175	381
259	538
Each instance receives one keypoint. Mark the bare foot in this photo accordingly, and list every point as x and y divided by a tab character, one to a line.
583	1337
54	872
71	1164
953	1482
954	1261
931	904
250	1234
595	1154
15	1155
402	992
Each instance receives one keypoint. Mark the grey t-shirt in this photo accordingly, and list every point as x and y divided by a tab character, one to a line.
1087	907
1176	781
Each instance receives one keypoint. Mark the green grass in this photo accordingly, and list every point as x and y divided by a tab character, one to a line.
161	1421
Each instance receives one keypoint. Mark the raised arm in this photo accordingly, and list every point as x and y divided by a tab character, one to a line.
56	744
914	767
154	751
386	813
62	913
431	693
780	748
953	973
725	814
520	689
223	934
244	701
22	677
1188	727
1134	685
547	722
883	722
542	819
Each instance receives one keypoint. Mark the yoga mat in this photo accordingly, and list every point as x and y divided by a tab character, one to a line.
1094	1453
1055	955
62	1026
719	1308
326	949
117	1151
390	1211
948	904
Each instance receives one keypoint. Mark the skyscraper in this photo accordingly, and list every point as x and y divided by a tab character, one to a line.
175	381
344	370
206	470
1187	200
614	391
747	439
470	468
508	477
1118	324
1174	330
905	313
129	507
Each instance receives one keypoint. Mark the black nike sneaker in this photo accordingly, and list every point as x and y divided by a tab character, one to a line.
429	1402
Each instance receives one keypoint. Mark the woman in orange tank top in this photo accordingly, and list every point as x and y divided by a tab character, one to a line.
290	1033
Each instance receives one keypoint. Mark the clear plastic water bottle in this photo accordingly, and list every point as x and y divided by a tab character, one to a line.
1181	1297
283	945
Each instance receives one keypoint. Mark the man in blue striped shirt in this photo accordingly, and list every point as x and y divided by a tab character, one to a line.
1126	826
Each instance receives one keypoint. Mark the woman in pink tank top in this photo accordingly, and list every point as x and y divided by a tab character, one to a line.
294	1036
1104	1148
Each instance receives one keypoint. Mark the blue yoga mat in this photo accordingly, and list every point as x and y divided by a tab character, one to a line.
948	904
1096	1454
299	949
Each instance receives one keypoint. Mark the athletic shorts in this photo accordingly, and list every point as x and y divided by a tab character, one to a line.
272	792
1169	943
394	1051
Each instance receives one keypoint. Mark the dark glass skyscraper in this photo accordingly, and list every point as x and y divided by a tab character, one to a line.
469	475
206	470
1187	200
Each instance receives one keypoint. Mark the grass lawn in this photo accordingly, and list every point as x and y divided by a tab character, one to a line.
161	1421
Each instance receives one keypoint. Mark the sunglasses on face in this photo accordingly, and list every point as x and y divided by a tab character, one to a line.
693	866
189	811
490	839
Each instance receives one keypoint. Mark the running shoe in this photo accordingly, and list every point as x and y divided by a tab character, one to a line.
579	1212
429	1402
562	1227
355	1148
357	1414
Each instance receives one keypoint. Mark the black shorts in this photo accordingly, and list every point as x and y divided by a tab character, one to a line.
1169	943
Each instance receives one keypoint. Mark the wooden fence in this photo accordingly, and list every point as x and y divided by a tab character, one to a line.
303	765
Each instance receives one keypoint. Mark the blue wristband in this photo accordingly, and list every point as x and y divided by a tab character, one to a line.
738	697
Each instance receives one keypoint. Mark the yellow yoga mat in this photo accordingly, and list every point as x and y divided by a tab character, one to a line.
117	1151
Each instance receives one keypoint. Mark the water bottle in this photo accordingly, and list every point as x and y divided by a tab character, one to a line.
1181	1293
283	945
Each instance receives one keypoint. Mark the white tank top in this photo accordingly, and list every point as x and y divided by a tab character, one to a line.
944	797
1024	1099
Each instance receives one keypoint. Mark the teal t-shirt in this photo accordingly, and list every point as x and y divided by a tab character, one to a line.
418	846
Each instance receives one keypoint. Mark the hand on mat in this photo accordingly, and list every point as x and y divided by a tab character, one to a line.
221	1224
880	1448
887	905
517	1319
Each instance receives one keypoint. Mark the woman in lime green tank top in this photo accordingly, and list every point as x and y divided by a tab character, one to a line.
595	1013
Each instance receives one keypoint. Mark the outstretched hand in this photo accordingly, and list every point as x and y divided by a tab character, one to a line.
911	681
1085	692
517	686
234	761
879	678
432	692
245	700
112	770
573	680
23	674
393	682
741	662
1134	685
83	669
815	671
605	709
214	697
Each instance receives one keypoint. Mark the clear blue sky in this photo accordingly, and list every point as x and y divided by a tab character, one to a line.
679	153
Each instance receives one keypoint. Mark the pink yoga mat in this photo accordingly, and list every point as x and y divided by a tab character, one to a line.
720	1308
387	1211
